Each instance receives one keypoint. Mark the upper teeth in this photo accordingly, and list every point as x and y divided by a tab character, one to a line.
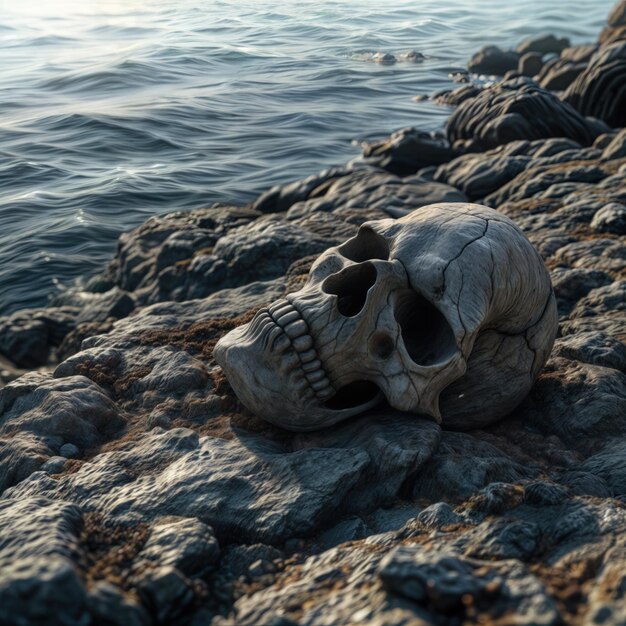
295	334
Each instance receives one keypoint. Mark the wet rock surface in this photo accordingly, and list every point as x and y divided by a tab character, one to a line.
135	488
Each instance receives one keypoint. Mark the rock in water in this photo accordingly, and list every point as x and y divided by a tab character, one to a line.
493	60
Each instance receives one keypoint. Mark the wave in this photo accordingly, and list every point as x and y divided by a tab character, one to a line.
114	113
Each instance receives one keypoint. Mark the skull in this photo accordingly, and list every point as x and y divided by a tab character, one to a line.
448	312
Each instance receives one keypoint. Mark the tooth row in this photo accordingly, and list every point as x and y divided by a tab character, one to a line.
296	333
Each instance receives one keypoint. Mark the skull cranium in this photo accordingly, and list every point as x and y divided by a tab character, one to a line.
447	312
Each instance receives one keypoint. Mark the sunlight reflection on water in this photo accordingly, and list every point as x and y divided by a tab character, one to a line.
113	111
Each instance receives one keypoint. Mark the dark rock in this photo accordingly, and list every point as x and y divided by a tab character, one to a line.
409	150
616	29
503	539
493	60
610	465
497	497
516	109
237	561
110	607
385	520
585	484
570	285
26	337
69	450
560	78
456	96
596	348
444	580
543	44
462	466
166	593
347	530
281	197
530	64
600	90
543	493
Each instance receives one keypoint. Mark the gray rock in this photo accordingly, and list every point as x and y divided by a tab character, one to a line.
54	465
439	515
442	579
38	576
606	600
611	218
75	410
184	543
462	465
449	582
570	285
166	592
497	497
365	464
69	450
384	58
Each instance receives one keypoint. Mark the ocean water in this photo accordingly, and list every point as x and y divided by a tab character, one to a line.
112	111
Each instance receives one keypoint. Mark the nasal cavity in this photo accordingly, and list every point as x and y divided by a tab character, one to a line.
367	245
351	286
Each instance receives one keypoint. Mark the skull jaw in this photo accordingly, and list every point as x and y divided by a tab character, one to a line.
269	391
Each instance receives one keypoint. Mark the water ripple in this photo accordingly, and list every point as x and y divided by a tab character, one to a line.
112	112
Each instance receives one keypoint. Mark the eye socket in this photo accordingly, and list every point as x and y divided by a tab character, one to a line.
351	286
367	245
426	333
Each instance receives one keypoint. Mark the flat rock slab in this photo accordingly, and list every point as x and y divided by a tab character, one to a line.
249	488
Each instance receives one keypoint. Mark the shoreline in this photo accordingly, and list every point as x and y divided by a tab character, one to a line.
137	489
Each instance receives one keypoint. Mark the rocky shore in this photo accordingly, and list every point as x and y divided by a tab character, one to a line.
135	489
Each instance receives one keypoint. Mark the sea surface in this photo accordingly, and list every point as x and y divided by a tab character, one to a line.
113	111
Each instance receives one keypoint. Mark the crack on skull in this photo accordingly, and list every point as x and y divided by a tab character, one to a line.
442	288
